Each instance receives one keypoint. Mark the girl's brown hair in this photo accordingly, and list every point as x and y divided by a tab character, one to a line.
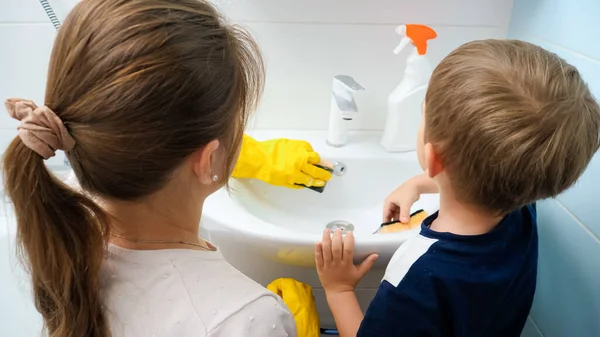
140	85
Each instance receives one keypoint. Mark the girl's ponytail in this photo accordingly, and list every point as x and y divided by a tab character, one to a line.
61	235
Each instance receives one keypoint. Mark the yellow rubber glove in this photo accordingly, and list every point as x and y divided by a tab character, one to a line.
280	162
299	299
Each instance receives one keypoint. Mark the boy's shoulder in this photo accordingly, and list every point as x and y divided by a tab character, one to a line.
437	275
471	258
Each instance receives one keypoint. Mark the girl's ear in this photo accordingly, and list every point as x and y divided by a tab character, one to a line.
203	160
433	161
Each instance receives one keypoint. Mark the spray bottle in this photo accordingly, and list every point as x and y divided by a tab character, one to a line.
404	103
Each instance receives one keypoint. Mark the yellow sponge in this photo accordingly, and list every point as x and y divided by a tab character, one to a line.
396	226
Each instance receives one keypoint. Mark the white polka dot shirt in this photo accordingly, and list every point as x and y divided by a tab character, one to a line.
187	293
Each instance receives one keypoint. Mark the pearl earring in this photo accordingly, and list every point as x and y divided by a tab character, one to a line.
215	178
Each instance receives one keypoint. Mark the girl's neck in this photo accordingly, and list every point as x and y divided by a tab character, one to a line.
161	217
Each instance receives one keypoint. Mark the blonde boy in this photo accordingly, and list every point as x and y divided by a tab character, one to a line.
505	123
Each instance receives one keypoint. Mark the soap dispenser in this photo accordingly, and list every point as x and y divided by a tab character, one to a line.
404	103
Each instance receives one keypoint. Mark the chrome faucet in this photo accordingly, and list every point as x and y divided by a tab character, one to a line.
343	109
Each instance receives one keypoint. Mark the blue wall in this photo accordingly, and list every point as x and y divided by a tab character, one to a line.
567	302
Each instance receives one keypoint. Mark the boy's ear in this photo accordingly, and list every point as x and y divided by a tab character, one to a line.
433	161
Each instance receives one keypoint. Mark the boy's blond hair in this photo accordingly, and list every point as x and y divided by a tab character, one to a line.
513	123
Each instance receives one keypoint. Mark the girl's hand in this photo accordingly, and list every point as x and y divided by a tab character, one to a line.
335	266
280	162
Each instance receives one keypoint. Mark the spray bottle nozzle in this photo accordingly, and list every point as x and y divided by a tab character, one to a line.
418	35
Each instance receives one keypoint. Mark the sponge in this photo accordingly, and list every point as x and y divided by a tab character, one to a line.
319	189
396	226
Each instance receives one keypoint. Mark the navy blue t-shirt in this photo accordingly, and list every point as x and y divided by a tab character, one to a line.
442	284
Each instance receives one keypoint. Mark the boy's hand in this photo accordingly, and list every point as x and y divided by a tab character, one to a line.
398	203
335	266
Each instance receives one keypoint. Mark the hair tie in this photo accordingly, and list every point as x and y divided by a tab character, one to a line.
41	129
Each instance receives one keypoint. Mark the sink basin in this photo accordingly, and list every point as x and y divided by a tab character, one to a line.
283	225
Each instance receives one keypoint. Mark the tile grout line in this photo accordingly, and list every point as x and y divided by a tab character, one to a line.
563	48
537	328
577	220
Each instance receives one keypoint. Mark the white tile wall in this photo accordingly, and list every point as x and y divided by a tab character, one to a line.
21	11
306	43
449	12
303	58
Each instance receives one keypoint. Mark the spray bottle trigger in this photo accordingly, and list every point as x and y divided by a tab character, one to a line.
405	41
419	35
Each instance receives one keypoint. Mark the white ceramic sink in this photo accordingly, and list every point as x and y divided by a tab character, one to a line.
283	224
